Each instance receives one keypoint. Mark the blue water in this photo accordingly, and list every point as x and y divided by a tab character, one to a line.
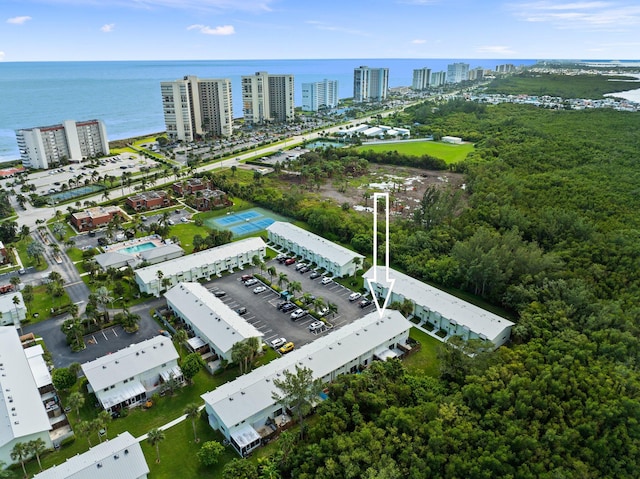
126	95
137	248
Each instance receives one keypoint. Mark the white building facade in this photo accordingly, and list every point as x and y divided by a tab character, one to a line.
438	79
205	264
12	313
50	146
129	376
421	79
321	94
336	259
243	409
195	107
457	72
206	316
23	417
370	84
444	311
267	98
117	458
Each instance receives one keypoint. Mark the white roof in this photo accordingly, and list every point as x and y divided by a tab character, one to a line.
39	369
323	247
21	410
6	301
129	362
251	393
165	249
117	458
105	260
196	260
120	393
478	320
215	320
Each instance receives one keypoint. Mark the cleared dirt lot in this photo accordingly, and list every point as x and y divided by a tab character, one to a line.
262	309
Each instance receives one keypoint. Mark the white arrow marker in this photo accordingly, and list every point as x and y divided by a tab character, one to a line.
386	282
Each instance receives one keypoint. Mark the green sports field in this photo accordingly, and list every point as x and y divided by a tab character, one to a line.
445	151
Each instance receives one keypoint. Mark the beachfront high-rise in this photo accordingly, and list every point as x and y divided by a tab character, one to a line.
421	78
195	107
457	72
438	79
370	84
267	98
320	94
49	146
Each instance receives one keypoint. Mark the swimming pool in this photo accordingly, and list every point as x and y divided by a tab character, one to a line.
137	248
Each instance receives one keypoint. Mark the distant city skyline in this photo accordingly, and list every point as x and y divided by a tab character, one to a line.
78	30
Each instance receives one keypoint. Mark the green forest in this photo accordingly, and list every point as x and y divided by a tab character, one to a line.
546	227
579	86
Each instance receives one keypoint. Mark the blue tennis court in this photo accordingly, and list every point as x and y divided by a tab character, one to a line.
245	222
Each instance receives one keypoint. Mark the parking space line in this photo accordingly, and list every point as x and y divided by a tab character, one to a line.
114	332
105	336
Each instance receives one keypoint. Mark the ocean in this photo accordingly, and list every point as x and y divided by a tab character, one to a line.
126	95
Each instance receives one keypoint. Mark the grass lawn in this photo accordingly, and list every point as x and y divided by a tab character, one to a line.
185	232
42	303
27	260
424	361
445	151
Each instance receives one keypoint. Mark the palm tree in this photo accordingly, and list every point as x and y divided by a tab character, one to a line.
180	338
105	418
159	275
318	304
76	401
282	278
271	271
4	472
16	302
333	308
103	296
295	287
20	452
155	437
192	410
37	447
84	428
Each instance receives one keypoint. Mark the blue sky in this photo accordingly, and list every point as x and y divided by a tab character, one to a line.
39	30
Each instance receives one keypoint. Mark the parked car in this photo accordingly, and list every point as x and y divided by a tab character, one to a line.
278	342
281	304
314	275
323	311
304	269
290	261
354	296
250	282
365	302
299	266
246	277
281	257
259	289
288	307
242	310
287	348
326	280
219	293
297	314
316	326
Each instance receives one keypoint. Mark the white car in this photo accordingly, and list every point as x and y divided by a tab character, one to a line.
326	280
259	289
297	314
316	326
323	311
354	296
299	266
250	282
276	343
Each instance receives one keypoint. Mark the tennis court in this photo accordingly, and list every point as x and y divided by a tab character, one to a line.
75	192
245	222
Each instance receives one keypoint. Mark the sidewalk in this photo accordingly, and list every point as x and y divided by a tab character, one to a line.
166	426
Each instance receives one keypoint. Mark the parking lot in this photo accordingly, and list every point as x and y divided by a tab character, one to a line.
262	311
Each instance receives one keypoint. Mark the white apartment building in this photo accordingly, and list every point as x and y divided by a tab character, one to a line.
370	84
12	313
203	264
49	146
267	98
23	417
219	326
438	79
336	259
421	79
457	72
129	376
120	457
443	310
244	411
195	107
321	94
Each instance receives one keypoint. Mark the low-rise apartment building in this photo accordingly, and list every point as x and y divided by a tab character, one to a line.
149	200
93	218
12	312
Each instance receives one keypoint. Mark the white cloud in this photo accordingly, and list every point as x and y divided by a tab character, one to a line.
495	49
19	20
108	27
581	15
418	41
207	30
2	55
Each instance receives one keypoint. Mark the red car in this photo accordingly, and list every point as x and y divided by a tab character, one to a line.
245	277
290	261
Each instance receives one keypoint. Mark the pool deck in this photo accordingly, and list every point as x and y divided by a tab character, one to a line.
113	248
